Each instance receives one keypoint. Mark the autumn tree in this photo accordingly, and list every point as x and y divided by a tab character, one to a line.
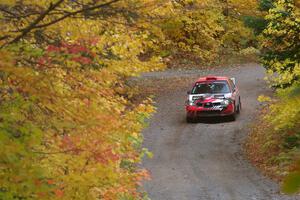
204	30
281	43
70	125
281	57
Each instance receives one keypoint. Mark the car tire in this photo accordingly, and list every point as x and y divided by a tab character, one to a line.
190	119
239	108
232	117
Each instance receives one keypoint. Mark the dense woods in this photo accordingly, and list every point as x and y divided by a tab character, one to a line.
70	124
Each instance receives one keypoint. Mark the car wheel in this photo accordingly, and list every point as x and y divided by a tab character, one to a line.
232	117
190	119
239	108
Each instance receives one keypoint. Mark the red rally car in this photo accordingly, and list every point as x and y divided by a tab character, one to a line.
213	96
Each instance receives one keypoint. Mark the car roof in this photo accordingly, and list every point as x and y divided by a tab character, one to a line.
212	78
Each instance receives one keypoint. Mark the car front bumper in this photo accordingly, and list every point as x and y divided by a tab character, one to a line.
194	111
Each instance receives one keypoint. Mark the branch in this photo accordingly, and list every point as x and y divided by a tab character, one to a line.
4	37
13	15
85	165
7	11
57	152
76	12
34	25
35	22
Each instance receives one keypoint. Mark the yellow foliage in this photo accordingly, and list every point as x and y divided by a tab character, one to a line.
70	126
263	98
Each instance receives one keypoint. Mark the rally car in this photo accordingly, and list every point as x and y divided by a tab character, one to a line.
213	96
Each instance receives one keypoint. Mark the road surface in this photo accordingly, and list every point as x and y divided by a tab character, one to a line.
204	160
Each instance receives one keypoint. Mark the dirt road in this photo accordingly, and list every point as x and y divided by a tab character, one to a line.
204	160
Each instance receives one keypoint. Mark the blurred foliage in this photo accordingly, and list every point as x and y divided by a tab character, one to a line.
280	55
291	184
275	141
278	29
266	5
70	125
204	30
287	114
281	44
257	23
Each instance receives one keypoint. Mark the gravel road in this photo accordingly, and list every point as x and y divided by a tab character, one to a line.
204	160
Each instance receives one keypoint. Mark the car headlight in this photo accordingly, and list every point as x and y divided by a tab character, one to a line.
226	102
190	103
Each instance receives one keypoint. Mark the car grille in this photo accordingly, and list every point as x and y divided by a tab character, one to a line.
199	104
210	105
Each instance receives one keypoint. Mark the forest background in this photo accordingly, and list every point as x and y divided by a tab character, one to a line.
70	124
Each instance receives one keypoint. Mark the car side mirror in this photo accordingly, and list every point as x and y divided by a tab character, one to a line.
189	92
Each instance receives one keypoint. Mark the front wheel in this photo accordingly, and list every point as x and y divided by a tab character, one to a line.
190	119
239	108
232	117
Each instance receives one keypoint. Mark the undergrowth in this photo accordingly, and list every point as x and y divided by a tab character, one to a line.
274	144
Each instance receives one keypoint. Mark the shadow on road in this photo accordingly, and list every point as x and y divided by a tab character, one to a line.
213	120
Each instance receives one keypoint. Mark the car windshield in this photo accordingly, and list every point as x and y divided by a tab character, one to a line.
211	88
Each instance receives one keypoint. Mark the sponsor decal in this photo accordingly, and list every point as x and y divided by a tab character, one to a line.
216	108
